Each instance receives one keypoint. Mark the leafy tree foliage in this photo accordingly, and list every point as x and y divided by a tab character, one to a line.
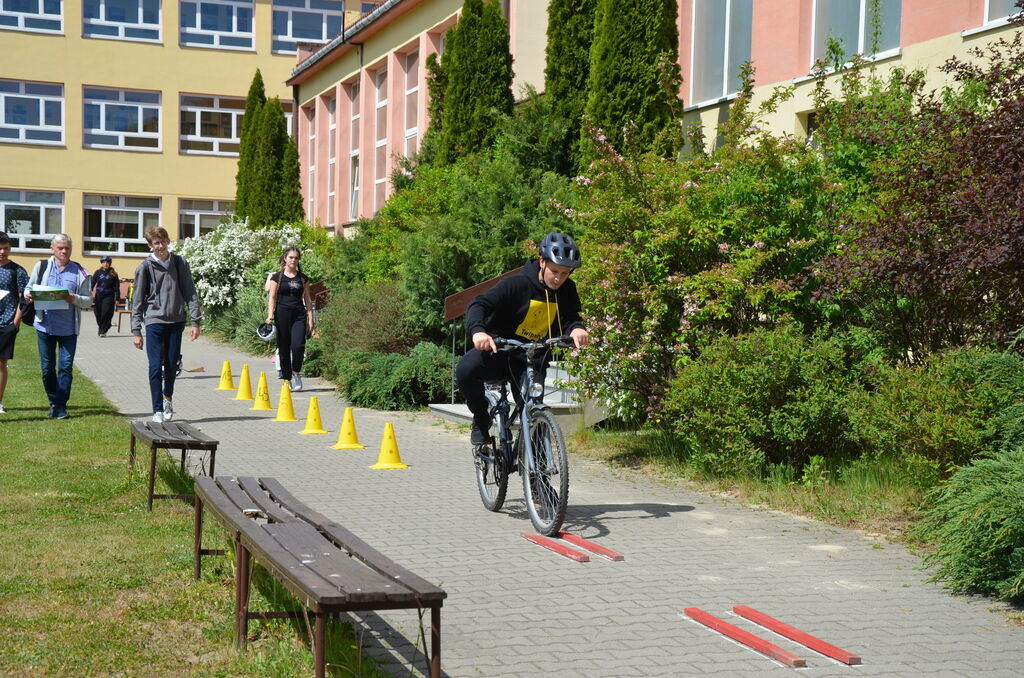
634	73
437	84
570	34
290	201
254	103
478	67
274	194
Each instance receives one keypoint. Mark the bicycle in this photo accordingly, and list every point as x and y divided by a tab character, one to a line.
537	452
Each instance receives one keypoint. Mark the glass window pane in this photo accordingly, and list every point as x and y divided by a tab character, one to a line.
307	25
412	70
411	110
997	9
382	123
709	49
741	27
121	118
889	37
53	219
839	19
21	111
215	124
23	219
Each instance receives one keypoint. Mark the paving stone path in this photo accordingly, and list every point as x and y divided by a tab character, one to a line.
515	609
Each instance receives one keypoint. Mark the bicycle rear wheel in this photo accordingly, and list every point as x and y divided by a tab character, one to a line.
546	480
491	471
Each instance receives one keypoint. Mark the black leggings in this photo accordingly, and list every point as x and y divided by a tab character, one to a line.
291	339
104	310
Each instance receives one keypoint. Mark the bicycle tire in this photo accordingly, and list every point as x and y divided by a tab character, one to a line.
546	482
491	474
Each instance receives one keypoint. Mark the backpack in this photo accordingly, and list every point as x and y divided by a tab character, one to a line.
28	308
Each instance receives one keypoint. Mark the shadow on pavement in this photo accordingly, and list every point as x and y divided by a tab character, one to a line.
588	521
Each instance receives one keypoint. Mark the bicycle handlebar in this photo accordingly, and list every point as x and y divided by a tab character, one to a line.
509	344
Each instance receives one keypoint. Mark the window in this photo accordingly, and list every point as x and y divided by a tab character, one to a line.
31	112
31	218
222	24
40	16
210	125
116	223
121	19
311	121
353	206
304	21
721	44
121	119
199	217
380	157
851	22
353	188
995	10
412	90
332	166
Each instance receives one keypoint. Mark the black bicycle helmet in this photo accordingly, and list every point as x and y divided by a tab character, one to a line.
561	249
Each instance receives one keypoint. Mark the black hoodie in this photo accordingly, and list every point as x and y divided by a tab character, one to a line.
522	307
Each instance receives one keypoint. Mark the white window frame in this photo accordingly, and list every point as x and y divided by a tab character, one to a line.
379	139
123	99
32	22
411	133
195	111
863	25
121	245
332	151
124	28
308	7
729	80
25	88
31	200
219	37
220	209
355	138
311	174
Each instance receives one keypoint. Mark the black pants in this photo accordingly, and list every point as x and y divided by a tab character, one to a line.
477	367
104	310
291	339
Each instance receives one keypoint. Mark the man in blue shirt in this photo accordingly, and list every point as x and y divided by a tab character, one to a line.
12	281
57	329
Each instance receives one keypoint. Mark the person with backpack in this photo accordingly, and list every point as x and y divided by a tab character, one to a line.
163	288
13	280
57	328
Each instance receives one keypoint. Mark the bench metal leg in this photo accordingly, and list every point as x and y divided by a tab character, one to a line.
152	473
242	582
213	460
319	638
183	459
435	642
131	451
197	546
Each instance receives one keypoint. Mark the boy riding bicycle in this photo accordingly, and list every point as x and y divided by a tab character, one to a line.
540	301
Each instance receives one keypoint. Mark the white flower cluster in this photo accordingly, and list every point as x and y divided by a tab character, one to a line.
220	258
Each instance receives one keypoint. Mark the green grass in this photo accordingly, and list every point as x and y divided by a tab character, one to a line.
92	584
872	496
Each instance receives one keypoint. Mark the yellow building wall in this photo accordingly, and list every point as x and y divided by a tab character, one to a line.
75	62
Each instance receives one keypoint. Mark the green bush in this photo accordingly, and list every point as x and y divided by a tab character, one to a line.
763	398
944	412
237	324
976	519
392	381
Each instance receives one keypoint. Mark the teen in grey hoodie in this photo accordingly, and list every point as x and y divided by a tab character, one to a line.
163	287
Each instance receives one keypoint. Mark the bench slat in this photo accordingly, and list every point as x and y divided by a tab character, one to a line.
358	582
272	509
306	584
286	499
174	434
236	495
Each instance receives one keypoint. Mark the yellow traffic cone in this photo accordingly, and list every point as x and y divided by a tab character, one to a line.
262	394
285	411
389	457
347	438
226	382
244	385
313	422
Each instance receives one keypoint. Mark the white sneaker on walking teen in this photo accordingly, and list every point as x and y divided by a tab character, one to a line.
2	410
296	382
168	409
158	417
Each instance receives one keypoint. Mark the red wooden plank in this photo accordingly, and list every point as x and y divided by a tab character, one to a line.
596	549
560	549
748	639
455	304
796	634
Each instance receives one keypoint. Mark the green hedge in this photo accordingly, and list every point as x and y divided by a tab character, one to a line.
393	381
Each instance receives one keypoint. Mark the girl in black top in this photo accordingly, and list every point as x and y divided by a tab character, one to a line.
290	309
105	287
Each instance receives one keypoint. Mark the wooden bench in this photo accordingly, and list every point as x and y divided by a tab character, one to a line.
169	435
329	569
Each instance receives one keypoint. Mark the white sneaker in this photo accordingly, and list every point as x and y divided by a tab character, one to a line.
168	409
296	382
158	417
2	410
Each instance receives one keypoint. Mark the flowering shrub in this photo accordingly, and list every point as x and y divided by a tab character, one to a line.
220	259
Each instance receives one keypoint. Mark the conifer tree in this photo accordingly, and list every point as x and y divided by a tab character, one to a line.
267	156
570	33
290	201
437	83
633	67
254	103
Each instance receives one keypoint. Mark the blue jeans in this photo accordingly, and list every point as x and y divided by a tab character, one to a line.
56	355
163	344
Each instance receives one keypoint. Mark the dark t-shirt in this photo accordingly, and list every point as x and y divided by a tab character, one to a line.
289	293
11	276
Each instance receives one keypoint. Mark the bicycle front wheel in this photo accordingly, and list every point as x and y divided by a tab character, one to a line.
546	476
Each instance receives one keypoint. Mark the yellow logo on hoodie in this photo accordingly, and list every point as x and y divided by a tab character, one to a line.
538	320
